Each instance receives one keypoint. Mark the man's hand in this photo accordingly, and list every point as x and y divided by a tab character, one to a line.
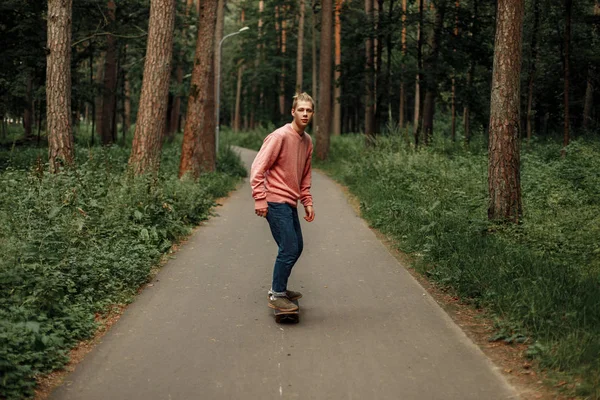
310	213
261	212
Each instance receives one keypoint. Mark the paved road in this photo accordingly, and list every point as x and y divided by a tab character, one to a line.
203	330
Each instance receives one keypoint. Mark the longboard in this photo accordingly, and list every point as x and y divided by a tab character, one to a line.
287	317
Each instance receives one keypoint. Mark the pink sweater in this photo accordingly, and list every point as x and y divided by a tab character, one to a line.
281	170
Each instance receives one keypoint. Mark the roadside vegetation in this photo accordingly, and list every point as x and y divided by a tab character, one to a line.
76	243
540	278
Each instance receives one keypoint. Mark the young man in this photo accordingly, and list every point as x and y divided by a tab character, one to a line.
280	176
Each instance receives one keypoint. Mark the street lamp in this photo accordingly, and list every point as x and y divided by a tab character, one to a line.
219	85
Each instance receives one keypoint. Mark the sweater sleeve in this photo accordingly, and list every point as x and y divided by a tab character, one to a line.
262	163
305	184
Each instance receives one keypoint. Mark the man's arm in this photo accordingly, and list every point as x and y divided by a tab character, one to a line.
262	162
305	185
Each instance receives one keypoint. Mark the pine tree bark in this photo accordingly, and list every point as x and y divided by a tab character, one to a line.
176	108
419	77
198	153
388	70
58	85
591	74
238	99
453	101
430	67
257	60
220	26
237	120
532	68
99	79
314	53
122	79
282	77
589	97
127	103
379	90
567	56
28	112
109	90
470	73
337	88
324	112
152	113
504	159
300	49
401	117
369	77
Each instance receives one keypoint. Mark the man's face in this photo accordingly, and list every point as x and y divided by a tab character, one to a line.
303	113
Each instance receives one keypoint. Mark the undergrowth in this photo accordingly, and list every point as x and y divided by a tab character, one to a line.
75	243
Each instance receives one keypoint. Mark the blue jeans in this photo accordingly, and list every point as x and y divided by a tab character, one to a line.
285	227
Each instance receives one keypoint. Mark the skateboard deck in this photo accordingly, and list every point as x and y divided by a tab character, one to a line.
287	317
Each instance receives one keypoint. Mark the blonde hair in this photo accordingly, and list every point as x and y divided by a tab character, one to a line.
302	97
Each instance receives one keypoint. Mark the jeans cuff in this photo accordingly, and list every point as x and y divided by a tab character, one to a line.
277	294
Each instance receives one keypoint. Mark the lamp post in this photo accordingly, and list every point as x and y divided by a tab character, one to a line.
219	85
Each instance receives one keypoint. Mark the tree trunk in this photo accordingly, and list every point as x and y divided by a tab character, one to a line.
58	85
300	51
175	116
589	98
109	90
532	68
237	118
401	121
379	91
90	109
591	74
122	79
238	99
127	104
388	70
98	98
2	127
280	28
176	107
324	113
419	78
220	26
504	159
257	60
245	93
369	77
314	53
453	101
198	152
337	88
568	9
28	112
431	81
152	113
470	73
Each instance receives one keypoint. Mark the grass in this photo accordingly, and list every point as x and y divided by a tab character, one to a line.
75	243
540	278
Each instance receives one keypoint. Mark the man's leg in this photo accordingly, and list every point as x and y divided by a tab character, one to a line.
281	222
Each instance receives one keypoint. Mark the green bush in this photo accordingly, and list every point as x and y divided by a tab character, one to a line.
249	140
541	277
77	242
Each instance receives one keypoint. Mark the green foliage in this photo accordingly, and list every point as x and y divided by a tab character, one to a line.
77	242
249	140
541	277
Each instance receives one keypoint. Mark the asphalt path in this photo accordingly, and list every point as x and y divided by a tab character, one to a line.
203	330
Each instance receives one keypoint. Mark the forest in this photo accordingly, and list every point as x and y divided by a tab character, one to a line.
467	129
